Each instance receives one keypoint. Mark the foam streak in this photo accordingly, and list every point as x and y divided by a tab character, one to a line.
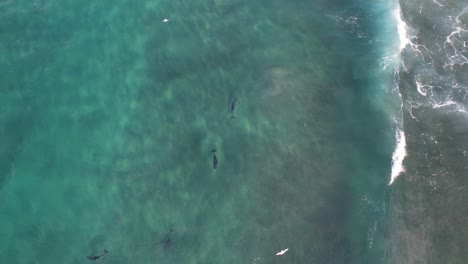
402	30
398	156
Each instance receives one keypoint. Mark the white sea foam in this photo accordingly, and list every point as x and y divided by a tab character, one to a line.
420	87
456	47
439	4
398	156
371	233
402	30
444	104
456	106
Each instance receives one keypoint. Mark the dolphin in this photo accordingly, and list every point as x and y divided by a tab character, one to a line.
93	258
215	160
233	106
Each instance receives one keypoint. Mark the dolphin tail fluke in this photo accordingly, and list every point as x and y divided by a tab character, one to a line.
213	151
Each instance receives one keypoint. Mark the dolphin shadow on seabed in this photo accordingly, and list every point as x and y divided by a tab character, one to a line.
160	245
166	242
96	257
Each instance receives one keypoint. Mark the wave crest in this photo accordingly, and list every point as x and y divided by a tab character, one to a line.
398	156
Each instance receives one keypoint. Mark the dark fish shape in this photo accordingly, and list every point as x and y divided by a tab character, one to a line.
233	106
215	160
93	258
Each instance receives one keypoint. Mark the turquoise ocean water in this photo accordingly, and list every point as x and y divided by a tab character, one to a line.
108	118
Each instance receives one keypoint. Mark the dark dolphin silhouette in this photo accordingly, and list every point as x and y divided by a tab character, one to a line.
215	160
93	258
233	106
167	240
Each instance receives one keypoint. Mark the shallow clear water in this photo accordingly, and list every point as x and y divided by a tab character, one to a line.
109	117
